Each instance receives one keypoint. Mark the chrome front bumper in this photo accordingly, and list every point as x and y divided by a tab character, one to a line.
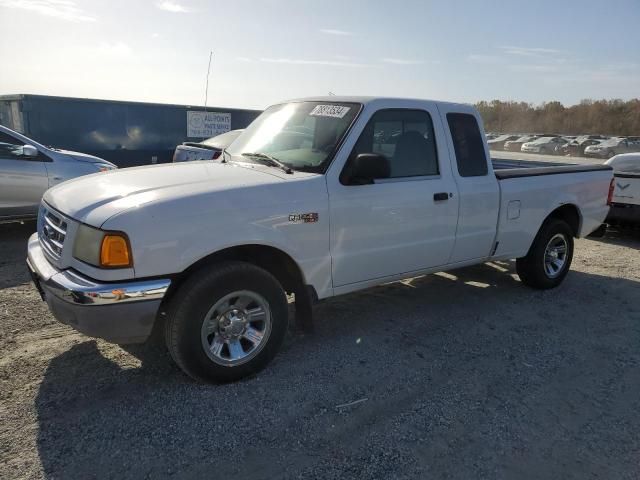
121	312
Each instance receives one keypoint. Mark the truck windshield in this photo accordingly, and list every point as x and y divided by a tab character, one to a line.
301	135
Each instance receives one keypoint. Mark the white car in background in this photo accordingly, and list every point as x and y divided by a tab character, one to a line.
625	199
544	145
209	149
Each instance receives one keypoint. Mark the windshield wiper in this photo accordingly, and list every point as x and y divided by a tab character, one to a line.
272	160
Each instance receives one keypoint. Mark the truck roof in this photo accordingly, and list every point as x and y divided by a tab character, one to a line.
372	99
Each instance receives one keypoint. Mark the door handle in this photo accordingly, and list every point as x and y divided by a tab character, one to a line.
439	197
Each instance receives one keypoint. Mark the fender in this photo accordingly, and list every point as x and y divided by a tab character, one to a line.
172	236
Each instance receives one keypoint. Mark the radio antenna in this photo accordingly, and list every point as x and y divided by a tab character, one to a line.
206	88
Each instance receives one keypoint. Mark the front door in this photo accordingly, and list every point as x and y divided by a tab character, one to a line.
403	223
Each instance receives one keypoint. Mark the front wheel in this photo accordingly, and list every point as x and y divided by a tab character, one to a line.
226	322
549	258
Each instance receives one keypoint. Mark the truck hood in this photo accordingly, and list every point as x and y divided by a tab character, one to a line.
93	199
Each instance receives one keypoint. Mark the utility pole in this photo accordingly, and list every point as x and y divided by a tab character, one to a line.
206	88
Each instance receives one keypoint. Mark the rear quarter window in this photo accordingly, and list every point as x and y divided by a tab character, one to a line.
468	145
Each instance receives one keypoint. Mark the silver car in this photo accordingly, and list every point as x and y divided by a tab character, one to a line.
28	169
611	147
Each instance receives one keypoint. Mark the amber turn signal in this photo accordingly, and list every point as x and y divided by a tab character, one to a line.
115	251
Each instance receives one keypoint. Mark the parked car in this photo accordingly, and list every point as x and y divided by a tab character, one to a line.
209	149
611	147
544	145
625	201
498	142
591	137
576	147
516	145
208	251
28	169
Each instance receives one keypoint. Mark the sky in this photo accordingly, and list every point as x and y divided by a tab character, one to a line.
266	51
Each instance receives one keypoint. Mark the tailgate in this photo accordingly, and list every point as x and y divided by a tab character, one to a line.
626	188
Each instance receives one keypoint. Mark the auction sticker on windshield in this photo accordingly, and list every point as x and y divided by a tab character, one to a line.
336	111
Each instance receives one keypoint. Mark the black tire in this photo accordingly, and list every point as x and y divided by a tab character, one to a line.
531	269
199	293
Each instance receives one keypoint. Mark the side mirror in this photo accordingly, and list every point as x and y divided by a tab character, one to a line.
29	151
365	168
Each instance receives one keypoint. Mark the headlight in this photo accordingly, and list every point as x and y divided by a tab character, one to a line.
102	249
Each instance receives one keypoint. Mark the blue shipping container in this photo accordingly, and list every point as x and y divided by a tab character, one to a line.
125	133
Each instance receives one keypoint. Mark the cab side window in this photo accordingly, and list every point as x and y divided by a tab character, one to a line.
468	145
405	137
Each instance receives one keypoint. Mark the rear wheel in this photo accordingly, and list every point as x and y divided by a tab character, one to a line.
227	322
549	258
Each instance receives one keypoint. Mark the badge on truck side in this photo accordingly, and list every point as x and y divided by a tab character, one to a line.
303	217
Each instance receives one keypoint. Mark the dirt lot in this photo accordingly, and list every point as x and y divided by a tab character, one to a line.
468	375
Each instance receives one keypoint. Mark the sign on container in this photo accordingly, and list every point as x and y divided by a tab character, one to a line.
207	124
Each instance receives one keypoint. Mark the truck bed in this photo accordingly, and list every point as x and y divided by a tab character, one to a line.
505	169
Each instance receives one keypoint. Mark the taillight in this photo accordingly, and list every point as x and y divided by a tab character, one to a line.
612	186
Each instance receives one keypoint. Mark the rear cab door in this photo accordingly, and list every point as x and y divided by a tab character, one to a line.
478	188
397	225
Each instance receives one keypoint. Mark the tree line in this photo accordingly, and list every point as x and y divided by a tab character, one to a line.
606	117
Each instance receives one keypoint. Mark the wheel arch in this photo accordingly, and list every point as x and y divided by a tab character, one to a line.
570	214
275	261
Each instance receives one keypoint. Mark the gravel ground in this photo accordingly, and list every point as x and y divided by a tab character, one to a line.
465	375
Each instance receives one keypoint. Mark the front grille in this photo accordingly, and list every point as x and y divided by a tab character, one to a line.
52	230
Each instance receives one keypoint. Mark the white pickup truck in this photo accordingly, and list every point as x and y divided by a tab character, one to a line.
318	197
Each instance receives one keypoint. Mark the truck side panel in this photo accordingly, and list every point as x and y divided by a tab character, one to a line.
525	202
